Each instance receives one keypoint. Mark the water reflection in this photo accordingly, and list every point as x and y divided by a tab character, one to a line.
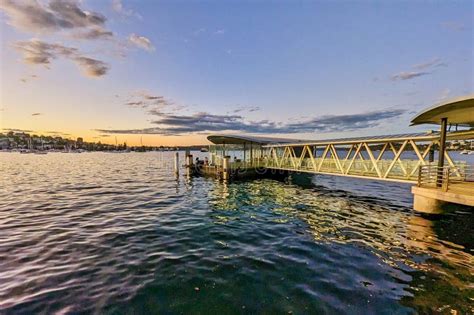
431	255
117	233
442	267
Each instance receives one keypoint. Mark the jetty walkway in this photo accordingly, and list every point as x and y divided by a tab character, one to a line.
421	159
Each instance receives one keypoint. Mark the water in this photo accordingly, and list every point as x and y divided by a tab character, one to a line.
118	233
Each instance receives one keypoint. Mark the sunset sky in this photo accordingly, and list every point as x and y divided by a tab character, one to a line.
171	72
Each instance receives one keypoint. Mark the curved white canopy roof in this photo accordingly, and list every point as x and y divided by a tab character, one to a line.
459	111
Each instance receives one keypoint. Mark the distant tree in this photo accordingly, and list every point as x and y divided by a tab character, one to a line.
79	143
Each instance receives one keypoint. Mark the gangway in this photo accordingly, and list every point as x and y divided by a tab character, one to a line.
391	158
421	159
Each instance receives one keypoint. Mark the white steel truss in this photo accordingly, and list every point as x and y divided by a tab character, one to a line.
386	159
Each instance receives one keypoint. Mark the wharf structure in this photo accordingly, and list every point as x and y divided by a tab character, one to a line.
417	158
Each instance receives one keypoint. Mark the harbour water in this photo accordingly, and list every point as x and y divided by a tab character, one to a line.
119	233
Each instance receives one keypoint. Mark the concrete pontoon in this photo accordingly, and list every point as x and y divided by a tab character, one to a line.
440	185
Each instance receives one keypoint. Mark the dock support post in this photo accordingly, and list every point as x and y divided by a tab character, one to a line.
189	164
226	167
189	160
442	148
251	154
176	163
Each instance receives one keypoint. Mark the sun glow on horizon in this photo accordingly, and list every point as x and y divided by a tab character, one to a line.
89	70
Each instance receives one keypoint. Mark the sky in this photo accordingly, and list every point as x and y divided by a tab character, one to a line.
172	72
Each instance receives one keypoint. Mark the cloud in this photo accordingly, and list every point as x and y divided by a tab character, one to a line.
17	130
28	78
94	33
57	133
141	104
118	7
38	52
91	67
333	123
418	70
52	16
249	109
220	32
36	114
66	18
435	62
141	42
408	75
144	99
168	124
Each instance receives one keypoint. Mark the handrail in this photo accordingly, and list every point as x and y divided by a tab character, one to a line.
431	176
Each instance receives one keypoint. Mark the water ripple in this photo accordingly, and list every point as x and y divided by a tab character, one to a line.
118	233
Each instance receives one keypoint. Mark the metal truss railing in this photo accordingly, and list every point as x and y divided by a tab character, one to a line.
386	160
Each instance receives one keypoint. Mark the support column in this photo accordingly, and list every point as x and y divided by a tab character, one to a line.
176	163
213	158
226	167
189	165
251	154
189	160
442	148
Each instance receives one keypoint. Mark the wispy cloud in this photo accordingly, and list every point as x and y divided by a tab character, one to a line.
435	62
94	33
418	70
168	124
28	78
69	20
141	42
220	32
118	7
249	109
91	67
36	114
65	18
147	100
16	130
38	52
408	75
53	16
56	133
